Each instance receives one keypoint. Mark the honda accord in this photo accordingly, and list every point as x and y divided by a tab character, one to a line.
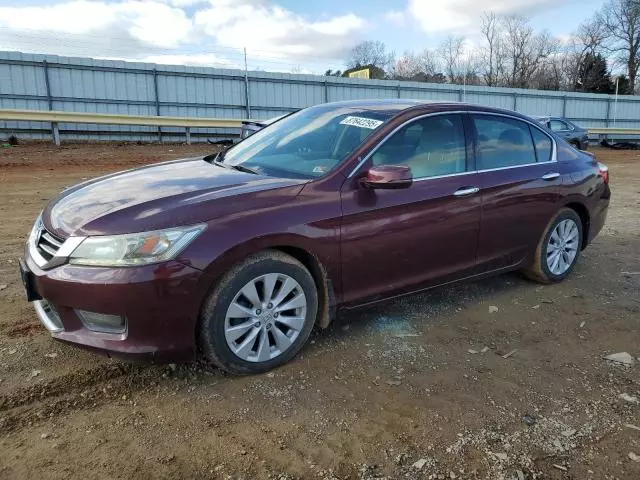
236	256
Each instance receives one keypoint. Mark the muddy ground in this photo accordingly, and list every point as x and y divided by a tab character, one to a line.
437	385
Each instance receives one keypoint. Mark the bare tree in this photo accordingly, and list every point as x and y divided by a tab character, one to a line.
621	23
451	52
591	36
491	54
370	53
428	63
405	67
550	74
410	66
471	64
569	65
525	50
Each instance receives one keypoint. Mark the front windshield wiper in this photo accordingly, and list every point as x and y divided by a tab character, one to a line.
217	159
242	168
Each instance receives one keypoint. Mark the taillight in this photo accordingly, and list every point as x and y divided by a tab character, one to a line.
603	171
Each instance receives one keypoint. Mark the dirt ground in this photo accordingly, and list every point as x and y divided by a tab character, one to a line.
499	379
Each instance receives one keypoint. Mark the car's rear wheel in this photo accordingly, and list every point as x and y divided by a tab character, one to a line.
260	314
558	249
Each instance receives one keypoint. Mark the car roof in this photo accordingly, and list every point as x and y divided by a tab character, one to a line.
550	117
398	103
396	106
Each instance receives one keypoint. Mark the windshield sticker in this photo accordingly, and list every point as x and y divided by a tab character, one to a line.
320	169
362	122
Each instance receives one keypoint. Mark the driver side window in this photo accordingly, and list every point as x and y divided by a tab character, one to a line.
431	146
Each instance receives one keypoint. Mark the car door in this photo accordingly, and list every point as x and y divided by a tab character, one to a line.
519	181
399	240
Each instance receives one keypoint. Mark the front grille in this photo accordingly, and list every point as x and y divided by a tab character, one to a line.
47	244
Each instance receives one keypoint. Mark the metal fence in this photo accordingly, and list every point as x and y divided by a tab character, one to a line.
49	82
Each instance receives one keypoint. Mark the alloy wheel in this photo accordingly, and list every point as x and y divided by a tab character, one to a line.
562	247
265	317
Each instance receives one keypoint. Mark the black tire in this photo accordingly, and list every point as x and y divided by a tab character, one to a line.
211	334
539	270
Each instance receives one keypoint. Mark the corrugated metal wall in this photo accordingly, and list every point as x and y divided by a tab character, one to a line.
48	82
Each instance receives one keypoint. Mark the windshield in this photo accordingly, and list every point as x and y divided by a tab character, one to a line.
306	144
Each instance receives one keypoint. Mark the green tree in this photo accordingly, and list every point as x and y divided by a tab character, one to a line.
593	75
623	85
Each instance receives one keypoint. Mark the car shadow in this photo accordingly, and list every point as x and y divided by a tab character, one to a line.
403	315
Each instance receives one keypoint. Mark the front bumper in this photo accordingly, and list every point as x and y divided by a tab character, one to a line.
160	303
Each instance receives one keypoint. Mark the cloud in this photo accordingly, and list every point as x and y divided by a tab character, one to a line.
72	17
186	3
89	24
458	16
195	32
397	18
278	30
195	59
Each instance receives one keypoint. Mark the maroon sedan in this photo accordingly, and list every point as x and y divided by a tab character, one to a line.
237	256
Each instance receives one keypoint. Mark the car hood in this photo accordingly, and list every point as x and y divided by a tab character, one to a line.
163	195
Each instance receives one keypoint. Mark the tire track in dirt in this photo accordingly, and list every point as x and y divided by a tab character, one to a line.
22	329
73	391
63	384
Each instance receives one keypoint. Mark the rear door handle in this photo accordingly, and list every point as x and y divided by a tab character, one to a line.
466	191
551	176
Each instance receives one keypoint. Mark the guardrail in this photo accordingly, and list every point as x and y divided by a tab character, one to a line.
56	117
614	131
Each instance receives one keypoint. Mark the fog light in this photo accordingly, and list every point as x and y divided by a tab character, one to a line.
101	322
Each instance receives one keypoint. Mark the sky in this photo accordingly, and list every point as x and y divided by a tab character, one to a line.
305	36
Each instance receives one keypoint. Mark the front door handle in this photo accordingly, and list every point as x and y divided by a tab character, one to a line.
466	191
551	176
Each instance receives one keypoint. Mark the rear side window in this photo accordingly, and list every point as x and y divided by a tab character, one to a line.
542	142
558	126
502	142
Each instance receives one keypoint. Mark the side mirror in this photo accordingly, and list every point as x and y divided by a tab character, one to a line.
388	177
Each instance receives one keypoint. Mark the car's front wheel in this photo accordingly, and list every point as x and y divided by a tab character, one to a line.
260	314
558	249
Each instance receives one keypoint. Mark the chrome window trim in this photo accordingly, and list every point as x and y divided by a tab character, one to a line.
435	177
554	150
481	171
513	166
554	156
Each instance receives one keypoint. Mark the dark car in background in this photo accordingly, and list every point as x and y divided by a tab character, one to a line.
237	256
249	127
572	133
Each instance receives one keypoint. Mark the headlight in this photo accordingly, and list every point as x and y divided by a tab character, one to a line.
135	248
